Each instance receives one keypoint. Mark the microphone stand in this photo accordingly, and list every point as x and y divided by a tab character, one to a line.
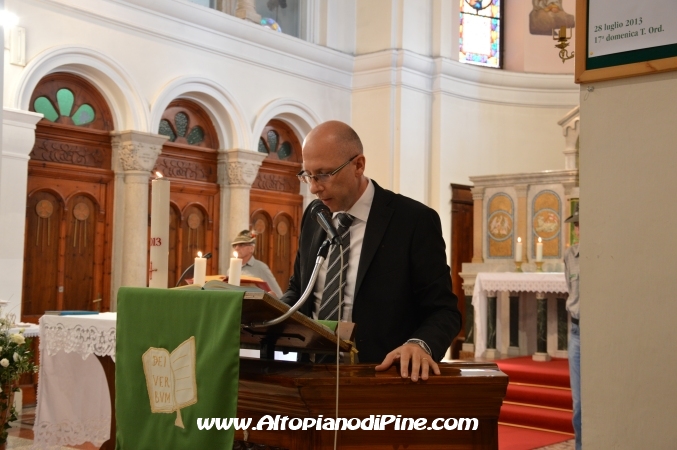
321	256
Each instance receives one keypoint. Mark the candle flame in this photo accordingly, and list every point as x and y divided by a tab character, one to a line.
199	254
519	239
235	255
540	240
158	174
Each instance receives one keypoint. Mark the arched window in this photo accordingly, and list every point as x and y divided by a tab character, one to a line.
67	99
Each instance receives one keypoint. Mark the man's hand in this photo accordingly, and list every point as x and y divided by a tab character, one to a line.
420	361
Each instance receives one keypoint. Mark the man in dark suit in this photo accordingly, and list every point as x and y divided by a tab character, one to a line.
398	284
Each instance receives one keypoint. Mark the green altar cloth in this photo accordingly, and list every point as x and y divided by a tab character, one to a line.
177	360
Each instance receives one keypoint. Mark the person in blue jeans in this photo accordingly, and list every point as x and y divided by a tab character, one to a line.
572	273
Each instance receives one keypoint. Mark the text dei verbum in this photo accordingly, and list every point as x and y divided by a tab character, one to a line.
373	422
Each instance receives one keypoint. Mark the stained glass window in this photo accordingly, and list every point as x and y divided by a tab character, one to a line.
166	130
181	122
480	33
64	100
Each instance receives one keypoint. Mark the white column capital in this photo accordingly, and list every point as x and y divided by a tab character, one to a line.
239	167
477	192
137	150
19	137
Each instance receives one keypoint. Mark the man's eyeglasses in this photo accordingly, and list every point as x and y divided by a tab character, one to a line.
322	177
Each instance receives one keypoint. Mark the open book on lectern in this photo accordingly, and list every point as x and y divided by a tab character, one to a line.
298	333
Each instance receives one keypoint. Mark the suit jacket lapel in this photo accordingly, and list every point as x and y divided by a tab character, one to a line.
377	223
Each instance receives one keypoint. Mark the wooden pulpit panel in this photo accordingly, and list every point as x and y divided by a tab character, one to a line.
300	390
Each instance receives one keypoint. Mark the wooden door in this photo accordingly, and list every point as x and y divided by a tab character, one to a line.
67	253
189	161
461	245
276	206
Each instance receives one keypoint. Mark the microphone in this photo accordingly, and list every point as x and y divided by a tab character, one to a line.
185	272
323	217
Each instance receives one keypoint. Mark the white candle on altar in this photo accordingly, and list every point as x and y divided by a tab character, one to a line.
518	250
159	233
235	272
539	250
200	270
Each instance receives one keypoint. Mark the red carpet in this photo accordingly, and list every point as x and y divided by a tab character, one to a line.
537	404
514	438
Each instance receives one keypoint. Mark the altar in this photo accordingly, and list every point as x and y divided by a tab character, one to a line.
492	328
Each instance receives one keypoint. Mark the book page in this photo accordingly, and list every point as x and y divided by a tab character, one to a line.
183	369
159	379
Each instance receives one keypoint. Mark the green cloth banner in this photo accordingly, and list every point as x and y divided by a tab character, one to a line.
177	360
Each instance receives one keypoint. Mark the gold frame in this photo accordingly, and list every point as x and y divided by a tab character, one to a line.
611	73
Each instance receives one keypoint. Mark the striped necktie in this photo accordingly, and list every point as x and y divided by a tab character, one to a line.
330	298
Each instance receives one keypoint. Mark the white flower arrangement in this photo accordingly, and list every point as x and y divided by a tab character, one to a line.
16	359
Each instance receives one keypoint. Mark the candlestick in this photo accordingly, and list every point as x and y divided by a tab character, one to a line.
235	271
200	270
518	249
159	233
539	250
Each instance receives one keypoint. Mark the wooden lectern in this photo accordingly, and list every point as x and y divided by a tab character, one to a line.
295	390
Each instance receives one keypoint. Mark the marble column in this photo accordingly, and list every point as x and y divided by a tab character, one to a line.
18	138
570	130
468	347
478	224
562	325
137	153
237	170
491	352
541	328
521	190
245	9
513	349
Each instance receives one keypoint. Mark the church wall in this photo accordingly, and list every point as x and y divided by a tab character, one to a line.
628	187
167	48
533	53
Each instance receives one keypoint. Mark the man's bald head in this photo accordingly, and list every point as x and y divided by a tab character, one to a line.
336	137
333	148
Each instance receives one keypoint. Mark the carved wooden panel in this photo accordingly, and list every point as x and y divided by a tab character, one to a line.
262	226
189	160
461	240
193	226
44	211
68	232
68	253
283	230
59	143
176	166
80	252
275	195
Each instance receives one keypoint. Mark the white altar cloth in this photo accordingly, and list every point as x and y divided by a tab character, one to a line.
73	399
512	282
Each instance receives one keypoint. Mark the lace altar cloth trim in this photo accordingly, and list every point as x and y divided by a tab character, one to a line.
71	433
522	282
79	335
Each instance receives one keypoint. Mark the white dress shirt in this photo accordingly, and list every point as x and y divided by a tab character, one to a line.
360	212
